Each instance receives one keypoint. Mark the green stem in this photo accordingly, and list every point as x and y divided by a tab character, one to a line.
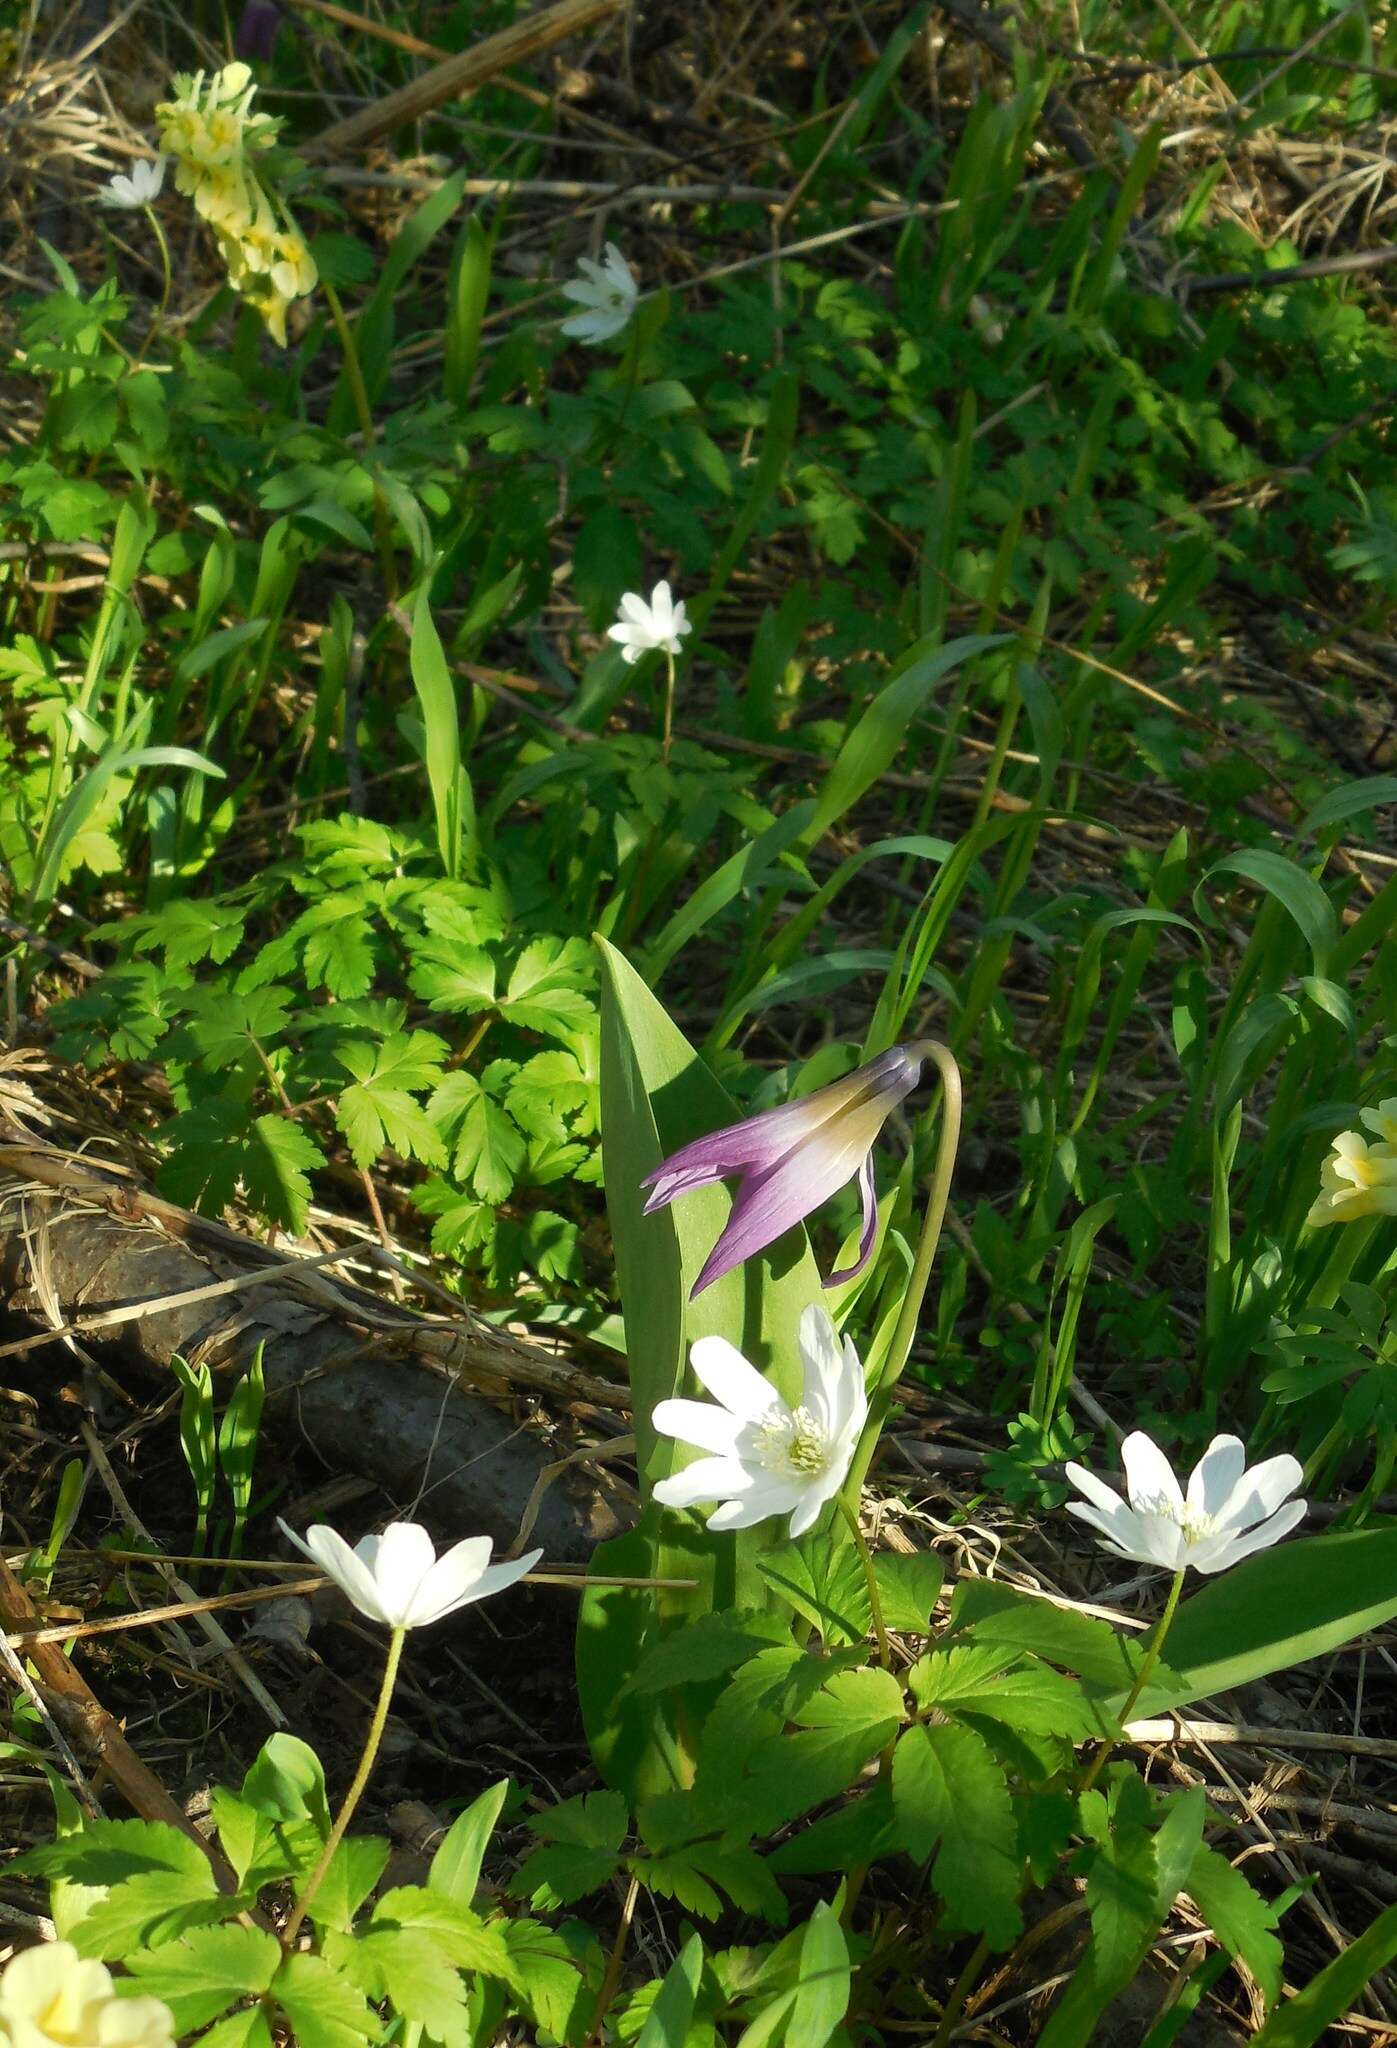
870	1579
669	707
355	1792
358	390
1142	1679
166	281
901	1346
960	1991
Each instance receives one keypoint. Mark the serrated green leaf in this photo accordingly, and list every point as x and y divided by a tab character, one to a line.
459	981
908	1589
200	1975
988	1679
275	1161
324	2010
1243	1921
950	1797
488	1148
711	1645
379	1109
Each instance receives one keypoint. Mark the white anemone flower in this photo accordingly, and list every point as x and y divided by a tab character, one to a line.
606	291
767	1458
644	626
142	188
398	1579
1227	1513
48	1995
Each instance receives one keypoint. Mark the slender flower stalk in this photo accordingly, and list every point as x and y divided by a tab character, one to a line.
355	1792
904	1333
790	1160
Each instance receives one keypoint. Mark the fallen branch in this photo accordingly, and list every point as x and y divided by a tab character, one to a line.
372	1388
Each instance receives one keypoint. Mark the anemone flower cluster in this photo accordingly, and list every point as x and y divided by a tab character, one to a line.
1359	1178
215	137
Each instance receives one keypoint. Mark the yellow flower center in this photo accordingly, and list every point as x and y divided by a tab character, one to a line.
792	1442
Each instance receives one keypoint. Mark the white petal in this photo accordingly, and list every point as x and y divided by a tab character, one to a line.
1096	1490
452	1580
681	622
400	1560
1261	1491
823	1360
328	1549
1162	1541
662	611
1120	1532
1148	1474
634	608
700	1423
1216	1474
622	633
1224	1551
773	1497
807	1512
631	655
730	1379
497	1577
705	1479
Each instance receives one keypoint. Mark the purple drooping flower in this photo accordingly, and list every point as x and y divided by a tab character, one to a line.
257	30
791	1159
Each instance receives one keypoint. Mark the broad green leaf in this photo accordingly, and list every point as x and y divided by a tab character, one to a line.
1285	1606
286	1781
1122	1883
841	1729
822	1990
950	1797
871	747
457	1933
824	1583
74	813
667	2025
406	1966
1297	892
456	1864
456	980
452	802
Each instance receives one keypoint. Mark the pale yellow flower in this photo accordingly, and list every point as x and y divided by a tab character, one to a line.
1382	1120
210	130
1358	1178
49	1998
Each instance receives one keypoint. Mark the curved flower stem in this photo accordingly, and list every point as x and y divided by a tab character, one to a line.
870	1579
166	282
669	707
355	1792
937	1197
1142	1679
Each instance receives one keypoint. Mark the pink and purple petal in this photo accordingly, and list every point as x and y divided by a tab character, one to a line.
868	1188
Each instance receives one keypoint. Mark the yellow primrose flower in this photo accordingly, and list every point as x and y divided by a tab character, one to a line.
1358	1178
51	1999
294	272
